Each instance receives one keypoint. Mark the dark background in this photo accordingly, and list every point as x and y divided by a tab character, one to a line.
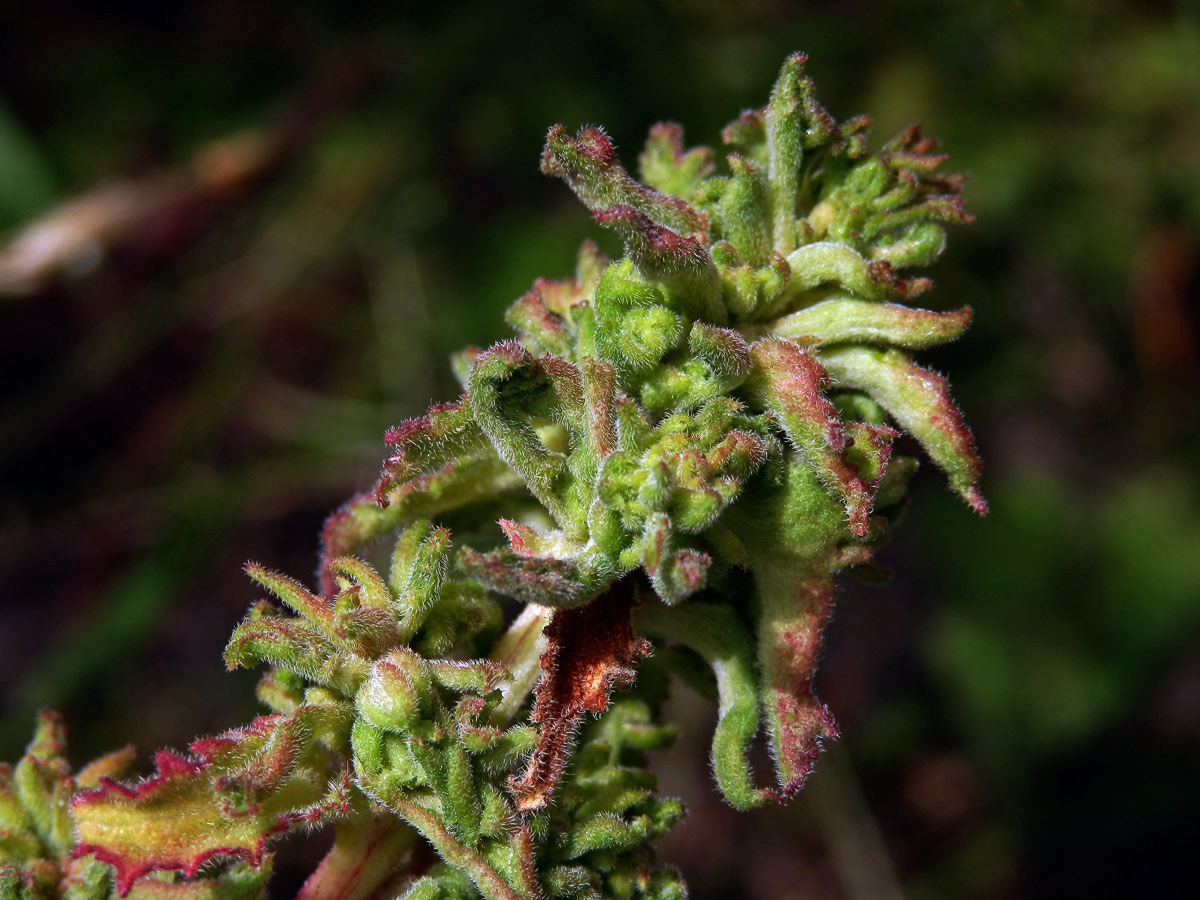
294	212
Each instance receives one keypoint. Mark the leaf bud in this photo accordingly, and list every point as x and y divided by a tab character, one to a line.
397	692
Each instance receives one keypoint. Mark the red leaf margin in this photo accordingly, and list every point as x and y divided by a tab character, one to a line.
172	766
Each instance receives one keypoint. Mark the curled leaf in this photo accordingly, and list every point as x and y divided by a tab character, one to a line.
508	393
666	167
794	609
588	163
790	384
675	571
679	262
795	122
845	320
919	400
718	636
473	477
426	444
545	580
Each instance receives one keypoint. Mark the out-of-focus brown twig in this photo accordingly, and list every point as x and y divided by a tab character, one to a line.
159	214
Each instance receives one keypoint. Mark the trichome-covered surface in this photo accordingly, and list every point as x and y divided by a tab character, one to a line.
682	446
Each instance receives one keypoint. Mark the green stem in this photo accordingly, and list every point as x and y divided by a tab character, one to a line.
851	834
718	636
486	879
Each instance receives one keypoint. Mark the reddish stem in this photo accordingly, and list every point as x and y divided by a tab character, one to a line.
365	854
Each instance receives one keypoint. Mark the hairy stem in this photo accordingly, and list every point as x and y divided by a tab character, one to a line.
486	878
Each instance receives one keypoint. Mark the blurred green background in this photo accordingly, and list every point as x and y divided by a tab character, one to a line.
259	229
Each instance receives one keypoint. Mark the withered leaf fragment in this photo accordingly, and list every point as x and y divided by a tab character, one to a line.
592	651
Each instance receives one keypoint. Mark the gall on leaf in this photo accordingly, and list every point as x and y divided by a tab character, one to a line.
591	650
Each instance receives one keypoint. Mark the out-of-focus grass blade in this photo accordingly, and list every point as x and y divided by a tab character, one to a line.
26	182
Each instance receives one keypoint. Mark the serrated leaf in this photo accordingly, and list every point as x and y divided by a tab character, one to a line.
178	819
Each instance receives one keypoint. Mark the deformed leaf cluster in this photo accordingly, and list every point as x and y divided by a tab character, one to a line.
686	443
